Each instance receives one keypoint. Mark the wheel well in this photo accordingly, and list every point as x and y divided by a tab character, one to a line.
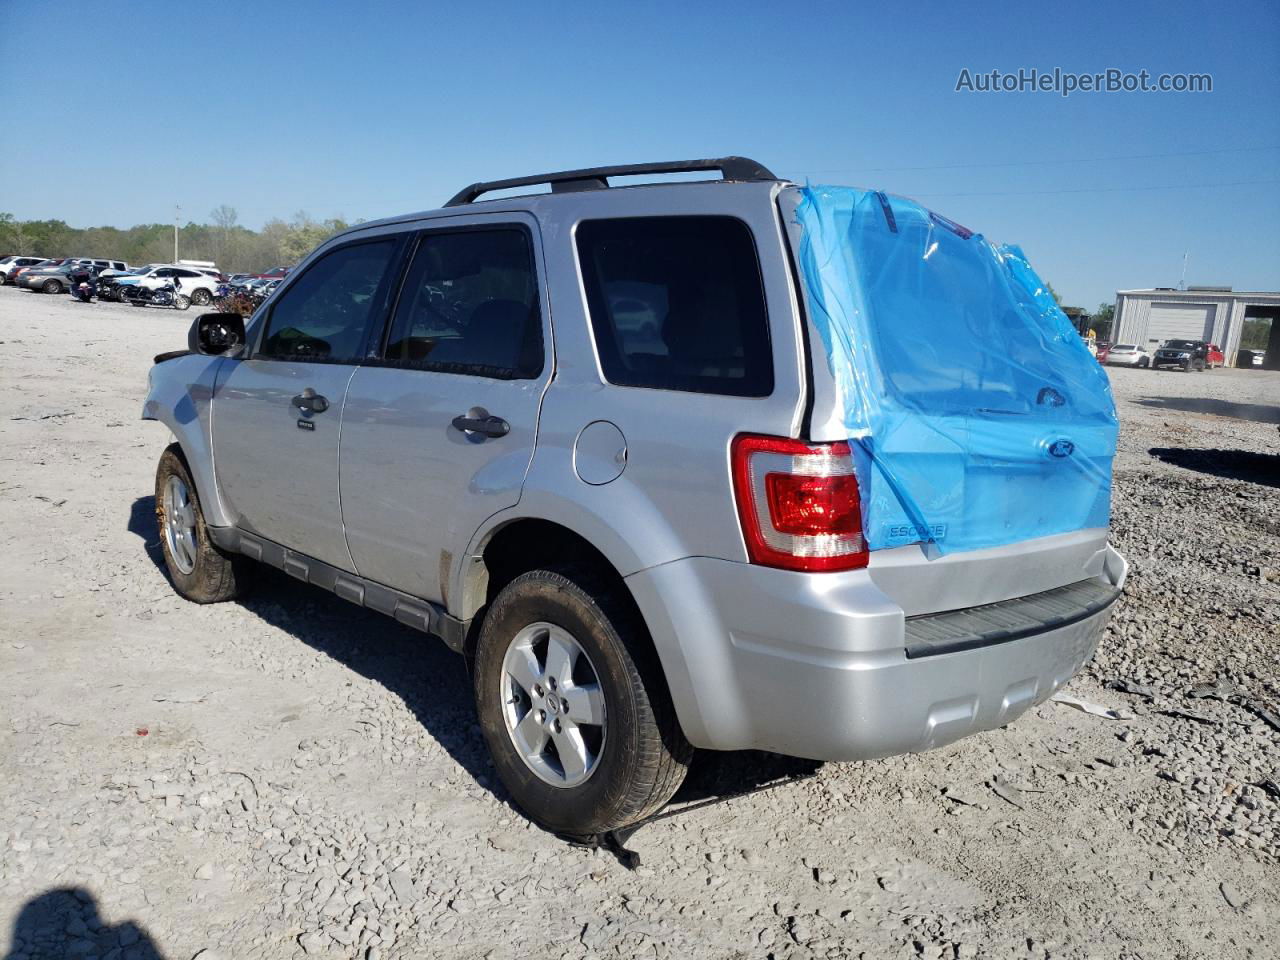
525	545
534	545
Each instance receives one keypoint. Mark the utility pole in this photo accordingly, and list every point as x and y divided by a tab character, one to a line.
177	215
1182	280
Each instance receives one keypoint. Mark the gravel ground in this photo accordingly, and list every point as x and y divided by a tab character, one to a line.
294	776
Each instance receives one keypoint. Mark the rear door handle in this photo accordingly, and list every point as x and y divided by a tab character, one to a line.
309	400
479	420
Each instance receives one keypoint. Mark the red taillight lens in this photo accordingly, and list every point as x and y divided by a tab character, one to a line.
798	504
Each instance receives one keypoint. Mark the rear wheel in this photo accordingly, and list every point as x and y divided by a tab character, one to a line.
201	298
51	286
574	706
199	570
181	302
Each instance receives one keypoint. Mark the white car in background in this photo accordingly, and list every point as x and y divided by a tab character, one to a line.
197	285
103	266
1129	355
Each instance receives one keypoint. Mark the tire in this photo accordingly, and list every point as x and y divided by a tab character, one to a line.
1143	363
201	298
198	570
633	760
1186	366
51	286
181	302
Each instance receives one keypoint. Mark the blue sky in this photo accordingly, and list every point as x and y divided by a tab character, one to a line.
369	109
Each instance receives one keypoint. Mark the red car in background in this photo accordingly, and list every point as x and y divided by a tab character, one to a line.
1213	357
275	273
1104	349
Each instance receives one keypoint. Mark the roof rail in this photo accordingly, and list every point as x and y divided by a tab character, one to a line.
596	178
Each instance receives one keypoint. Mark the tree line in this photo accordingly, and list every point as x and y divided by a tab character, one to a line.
232	246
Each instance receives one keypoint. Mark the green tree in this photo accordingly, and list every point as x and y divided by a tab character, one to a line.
1104	319
234	247
1256	334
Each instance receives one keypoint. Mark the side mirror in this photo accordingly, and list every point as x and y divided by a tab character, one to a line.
216	334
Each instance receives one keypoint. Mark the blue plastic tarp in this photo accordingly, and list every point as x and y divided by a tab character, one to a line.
976	414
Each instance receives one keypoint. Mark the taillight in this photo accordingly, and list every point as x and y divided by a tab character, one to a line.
798	503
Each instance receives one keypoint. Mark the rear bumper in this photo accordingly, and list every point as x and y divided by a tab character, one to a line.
821	666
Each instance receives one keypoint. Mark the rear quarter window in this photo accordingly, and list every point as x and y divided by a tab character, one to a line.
677	303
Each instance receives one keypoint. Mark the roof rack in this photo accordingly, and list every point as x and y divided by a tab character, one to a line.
596	178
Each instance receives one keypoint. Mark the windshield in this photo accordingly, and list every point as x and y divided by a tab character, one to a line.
1182	344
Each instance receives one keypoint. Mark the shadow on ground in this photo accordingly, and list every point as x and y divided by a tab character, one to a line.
1261	468
432	680
142	521
1255	412
64	922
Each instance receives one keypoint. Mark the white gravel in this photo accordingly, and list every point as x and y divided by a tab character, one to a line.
294	776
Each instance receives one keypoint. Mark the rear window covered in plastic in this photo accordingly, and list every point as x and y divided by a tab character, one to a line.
978	416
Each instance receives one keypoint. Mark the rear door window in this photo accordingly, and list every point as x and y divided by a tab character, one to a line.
327	313
470	306
677	303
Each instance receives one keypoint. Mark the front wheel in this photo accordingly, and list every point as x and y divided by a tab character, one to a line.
51	286
201	298
574	706
199	570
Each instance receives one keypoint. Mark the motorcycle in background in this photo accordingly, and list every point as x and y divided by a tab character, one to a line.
82	284
168	295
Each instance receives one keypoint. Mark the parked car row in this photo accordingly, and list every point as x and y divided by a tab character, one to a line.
1188	355
199	280
13	268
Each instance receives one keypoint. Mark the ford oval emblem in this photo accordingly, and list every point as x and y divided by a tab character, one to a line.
1061	449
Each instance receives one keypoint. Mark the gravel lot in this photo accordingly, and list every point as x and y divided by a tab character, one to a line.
292	775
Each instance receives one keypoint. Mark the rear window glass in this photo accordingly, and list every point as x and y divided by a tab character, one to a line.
677	303
1124	346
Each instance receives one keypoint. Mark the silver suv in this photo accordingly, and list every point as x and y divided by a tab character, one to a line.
660	474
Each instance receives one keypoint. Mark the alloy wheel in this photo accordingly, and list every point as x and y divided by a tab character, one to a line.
553	705
180	524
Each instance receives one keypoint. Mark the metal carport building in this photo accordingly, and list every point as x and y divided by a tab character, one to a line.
1216	314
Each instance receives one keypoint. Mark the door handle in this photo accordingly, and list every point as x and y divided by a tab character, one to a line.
479	420
309	400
